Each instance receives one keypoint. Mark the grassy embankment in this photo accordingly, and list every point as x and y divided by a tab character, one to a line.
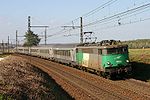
4	55
3	97
140	59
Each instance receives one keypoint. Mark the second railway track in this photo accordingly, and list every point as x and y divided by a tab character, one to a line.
89	86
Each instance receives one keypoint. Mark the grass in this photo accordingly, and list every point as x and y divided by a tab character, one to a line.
4	97
4	55
140	59
140	55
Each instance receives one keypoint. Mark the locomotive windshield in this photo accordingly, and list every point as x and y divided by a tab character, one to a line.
117	50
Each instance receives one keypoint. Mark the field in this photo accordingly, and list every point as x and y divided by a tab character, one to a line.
140	59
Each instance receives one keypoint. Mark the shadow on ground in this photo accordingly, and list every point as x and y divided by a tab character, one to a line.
141	71
57	90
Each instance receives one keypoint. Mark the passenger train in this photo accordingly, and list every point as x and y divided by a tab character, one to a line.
106	58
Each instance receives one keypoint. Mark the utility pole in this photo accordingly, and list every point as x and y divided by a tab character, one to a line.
3	46
38	26
8	44
45	36
81	30
29	24
45	32
16	40
11	46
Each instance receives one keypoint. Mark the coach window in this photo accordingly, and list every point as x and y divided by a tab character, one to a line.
68	52
100	51
59	52
64	52
76	50
104	51
87	50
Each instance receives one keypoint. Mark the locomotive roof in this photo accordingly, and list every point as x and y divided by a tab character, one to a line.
107	46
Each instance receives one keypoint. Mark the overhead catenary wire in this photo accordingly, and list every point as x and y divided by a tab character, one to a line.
139	8
123	24
99	8
87	14
116	25
122	18
108	3
120	14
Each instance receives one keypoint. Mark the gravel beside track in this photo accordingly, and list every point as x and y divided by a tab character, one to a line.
139	87
83	85
19	80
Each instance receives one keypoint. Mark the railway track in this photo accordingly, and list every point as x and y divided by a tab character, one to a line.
88	85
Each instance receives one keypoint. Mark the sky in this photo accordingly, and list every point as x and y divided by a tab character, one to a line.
56	13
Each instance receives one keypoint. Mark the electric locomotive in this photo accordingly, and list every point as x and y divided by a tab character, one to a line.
108	58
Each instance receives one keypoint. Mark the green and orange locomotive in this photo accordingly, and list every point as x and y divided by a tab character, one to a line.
107	58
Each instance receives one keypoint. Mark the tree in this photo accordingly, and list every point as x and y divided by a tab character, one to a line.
31	39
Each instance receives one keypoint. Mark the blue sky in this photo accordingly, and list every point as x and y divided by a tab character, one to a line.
14	13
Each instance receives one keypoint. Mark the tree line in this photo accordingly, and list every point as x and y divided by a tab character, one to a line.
138	44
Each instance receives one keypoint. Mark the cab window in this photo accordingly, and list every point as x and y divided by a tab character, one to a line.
100	51
117	50
112	51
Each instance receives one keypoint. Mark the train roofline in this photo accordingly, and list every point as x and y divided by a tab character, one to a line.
109	46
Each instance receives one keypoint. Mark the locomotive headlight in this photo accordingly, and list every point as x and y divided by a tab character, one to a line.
108	63
127	61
